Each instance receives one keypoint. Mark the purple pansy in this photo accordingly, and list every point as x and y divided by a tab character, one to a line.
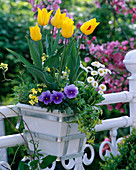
71	91
57	97
45	97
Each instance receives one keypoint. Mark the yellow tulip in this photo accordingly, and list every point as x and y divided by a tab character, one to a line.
58	19
35	33
88	27
43	17
67	28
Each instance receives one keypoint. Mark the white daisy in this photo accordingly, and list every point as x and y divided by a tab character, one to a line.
108	71
89	68
95	84
93	73
96	64
100	92
102	65
81	65
102	87
101	72
90	79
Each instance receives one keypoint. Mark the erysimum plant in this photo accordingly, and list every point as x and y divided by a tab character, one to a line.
56	71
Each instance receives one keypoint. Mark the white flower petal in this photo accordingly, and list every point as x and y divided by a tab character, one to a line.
96	64
102	87
93	73
101	72
95	84
90	79
100	92
89	68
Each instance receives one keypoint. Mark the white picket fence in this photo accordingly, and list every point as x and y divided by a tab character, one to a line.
109	124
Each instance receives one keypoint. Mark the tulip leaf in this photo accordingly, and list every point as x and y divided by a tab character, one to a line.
40	48
67	53
53	61
55	45
74	64
48	46
20	57
43	76
35	55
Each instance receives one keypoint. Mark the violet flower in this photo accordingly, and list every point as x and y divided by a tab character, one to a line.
57	97
71	91
45	97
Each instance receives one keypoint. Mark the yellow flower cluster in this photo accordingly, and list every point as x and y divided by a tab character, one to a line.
4	67
44	57
60	21
42	85
48	69
33	96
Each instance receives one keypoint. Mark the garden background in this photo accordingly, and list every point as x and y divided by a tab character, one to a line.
109	43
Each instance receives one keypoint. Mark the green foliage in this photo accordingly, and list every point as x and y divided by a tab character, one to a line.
126	160
14	23
22	91
37	161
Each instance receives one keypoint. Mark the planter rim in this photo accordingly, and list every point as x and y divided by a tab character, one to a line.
38	112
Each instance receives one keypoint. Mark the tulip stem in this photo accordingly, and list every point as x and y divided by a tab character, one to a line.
61	62
79	44
52	40
41	29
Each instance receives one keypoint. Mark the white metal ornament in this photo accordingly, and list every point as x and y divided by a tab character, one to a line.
77	163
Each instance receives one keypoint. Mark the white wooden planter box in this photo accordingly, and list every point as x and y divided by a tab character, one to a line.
54	134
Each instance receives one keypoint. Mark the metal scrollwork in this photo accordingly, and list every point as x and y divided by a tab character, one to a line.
107	151
5	165
87	161
70	164
78	162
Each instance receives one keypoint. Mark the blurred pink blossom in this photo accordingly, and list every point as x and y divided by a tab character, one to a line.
87	59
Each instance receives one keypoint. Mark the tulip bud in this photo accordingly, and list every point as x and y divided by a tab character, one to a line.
67	28
88	27
35	33
43	17
58	19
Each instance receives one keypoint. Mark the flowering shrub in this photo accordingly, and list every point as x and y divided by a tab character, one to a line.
121	6
112	55
126	159
106	146
49	4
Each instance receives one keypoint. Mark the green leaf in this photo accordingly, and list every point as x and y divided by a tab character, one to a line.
74	64
53	61
22	59
44	76
48	45
67	53
55	45
40	48
35	55
69	111
34	164
47	160
23	166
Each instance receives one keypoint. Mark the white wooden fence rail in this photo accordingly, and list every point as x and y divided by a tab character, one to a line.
109	124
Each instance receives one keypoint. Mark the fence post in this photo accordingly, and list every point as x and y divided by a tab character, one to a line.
3	152
130	63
